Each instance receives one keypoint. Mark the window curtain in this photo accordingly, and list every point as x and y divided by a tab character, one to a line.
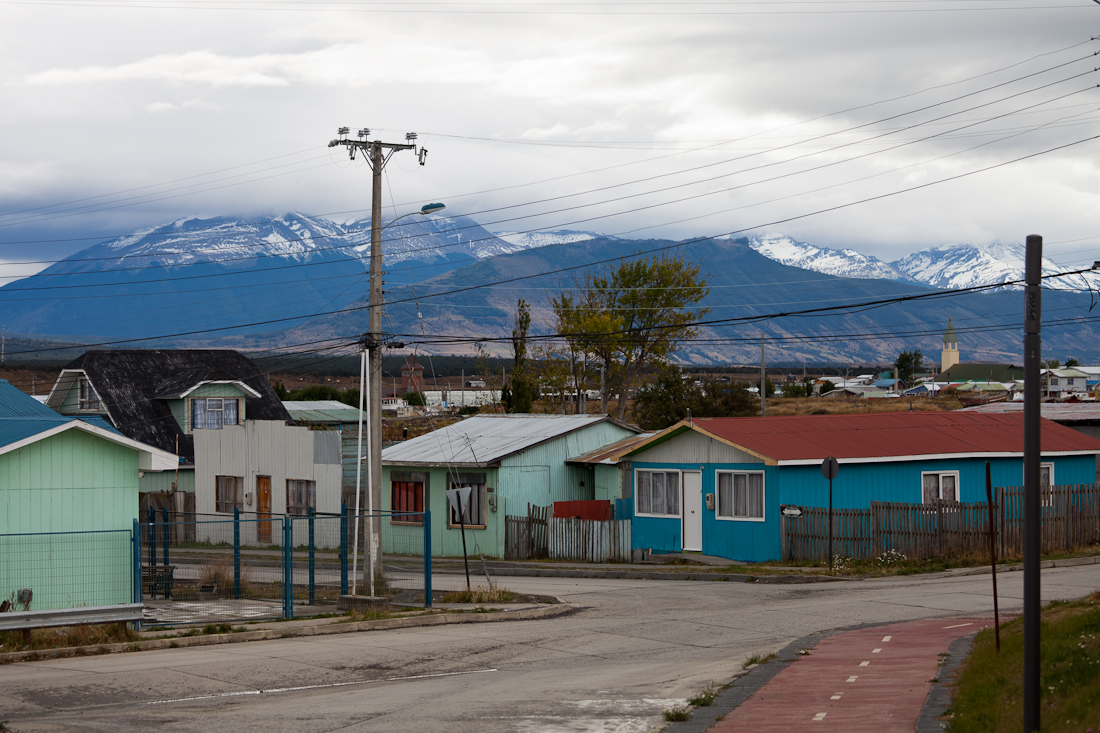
229	411
931	487
725	494
645	484
198	414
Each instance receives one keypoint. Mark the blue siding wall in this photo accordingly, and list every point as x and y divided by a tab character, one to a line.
855	487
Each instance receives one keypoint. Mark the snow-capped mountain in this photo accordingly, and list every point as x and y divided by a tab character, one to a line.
838	262
529	240
968	265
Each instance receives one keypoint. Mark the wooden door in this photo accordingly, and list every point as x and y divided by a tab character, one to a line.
263	502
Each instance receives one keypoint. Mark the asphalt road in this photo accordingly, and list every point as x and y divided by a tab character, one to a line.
632	648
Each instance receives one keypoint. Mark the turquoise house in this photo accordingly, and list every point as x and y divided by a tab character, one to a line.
68	500
716	485
512	462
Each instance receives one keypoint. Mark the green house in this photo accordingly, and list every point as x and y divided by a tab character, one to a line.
68	500
512	462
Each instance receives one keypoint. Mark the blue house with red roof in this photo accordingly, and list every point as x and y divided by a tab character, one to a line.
716	485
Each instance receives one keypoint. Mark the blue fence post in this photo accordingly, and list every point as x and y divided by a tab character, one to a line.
152	536
236	552
288	568
135	559
312	561
166	533
343	549
427	559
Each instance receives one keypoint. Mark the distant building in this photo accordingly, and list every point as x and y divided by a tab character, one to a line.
949	357
412	375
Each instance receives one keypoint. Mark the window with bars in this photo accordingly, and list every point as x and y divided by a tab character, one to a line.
407	495
474	516
301	496
942	485
657	493
88	399
740	495
229	493
212	413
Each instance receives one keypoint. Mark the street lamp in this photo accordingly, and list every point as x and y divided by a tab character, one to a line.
425	209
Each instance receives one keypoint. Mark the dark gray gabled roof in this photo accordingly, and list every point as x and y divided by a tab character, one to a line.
134	385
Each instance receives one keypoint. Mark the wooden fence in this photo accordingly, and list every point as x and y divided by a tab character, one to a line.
590	540
1071	519
525	538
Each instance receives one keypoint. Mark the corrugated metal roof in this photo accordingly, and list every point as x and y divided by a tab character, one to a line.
321	411
612	453
1056	411
885	435
490	438
22	416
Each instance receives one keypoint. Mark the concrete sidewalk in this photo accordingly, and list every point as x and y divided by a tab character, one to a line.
876	678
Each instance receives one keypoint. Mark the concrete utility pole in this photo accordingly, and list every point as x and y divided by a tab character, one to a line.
763	379
1033	257
377	154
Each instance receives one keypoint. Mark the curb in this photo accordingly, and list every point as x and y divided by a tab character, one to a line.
560	608
644	575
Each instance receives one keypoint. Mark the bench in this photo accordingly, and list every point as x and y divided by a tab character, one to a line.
158	579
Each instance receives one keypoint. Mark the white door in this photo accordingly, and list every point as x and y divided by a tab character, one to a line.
693	511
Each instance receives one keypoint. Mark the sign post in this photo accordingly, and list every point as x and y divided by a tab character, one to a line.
459	499
830	467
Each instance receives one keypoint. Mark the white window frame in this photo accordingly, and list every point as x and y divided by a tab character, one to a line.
207	408
87	397
940	474
718	496
678	493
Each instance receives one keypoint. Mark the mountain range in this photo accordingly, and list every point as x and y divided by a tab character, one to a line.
280	281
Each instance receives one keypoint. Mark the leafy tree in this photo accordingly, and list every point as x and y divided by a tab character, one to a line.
908	364
518	398
416	398
769	387
280	391
1050	364
667	399
827	386
1071	362
630	317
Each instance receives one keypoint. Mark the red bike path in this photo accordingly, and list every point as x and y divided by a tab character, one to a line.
871	679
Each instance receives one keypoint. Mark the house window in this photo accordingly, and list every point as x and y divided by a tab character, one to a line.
474	515
301	496
211	413
740	495
658	493
407	495
229	493
89	400
944	485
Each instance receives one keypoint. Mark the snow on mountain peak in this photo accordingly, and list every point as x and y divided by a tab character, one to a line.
838	262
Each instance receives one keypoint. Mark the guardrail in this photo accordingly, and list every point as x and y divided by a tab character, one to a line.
19	620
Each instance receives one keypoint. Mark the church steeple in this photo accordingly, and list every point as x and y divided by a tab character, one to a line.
949	357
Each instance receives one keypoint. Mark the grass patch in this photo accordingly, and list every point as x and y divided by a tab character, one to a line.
481	594
66	636
757	659
989	689
674	714
705	698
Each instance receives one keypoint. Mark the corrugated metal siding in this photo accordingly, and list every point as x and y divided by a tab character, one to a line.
161	481
540	476
326	447
262	448
691	447
69	482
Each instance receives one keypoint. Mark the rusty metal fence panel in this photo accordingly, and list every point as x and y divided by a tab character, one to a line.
589	540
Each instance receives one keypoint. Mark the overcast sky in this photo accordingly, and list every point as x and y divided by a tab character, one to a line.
642	119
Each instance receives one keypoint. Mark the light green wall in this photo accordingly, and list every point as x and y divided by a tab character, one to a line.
161	481
70	405
71	482
446	542
539	475
180	408
608	484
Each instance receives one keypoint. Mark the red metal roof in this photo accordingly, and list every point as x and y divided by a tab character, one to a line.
887	435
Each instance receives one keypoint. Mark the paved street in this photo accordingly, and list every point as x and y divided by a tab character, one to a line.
632	648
